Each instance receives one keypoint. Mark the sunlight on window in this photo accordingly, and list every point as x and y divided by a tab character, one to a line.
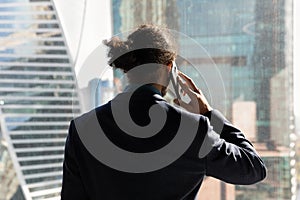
249	68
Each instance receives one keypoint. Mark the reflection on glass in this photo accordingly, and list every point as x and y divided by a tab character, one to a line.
38	98
249	41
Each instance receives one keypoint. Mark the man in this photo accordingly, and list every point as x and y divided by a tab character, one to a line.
138	146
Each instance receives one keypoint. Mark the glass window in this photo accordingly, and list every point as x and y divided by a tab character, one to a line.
39	153
40	162
37	77
44	110
44	170
38	97
33	145
248	43
38	119
239	52
38	85
45	187
43	179
40	102
39	94
36	127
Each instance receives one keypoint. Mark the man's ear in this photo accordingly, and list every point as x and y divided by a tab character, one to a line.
170	65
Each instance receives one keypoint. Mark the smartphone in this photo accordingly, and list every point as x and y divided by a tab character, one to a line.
175	84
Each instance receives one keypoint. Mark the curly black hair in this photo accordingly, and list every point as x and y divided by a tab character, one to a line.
147	44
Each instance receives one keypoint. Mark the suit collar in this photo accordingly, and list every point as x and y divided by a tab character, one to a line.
142	88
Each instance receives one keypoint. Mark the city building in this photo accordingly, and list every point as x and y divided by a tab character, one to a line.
130	13
38	98
249	44
96	93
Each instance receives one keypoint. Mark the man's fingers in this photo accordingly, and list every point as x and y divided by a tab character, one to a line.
181	103
189	81
184	87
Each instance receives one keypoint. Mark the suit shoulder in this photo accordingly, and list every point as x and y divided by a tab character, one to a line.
180	111
87	116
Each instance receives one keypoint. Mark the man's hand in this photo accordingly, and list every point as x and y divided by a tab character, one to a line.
198	103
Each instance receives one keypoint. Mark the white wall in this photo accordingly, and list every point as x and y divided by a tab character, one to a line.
95	22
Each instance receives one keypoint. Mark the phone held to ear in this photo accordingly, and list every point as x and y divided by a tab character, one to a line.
176	87
175	84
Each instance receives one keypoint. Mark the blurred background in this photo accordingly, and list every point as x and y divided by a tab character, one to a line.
53	67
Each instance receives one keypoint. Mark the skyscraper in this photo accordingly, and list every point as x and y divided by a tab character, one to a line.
125	18
38	94
250	42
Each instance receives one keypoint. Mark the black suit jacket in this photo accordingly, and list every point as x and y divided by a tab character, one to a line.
231	158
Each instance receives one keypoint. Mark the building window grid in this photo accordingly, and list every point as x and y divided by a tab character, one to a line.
47	48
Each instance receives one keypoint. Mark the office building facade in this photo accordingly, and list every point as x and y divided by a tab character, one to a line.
250	43
38	94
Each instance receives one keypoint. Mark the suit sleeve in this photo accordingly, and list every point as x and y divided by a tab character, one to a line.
232	158
72	186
